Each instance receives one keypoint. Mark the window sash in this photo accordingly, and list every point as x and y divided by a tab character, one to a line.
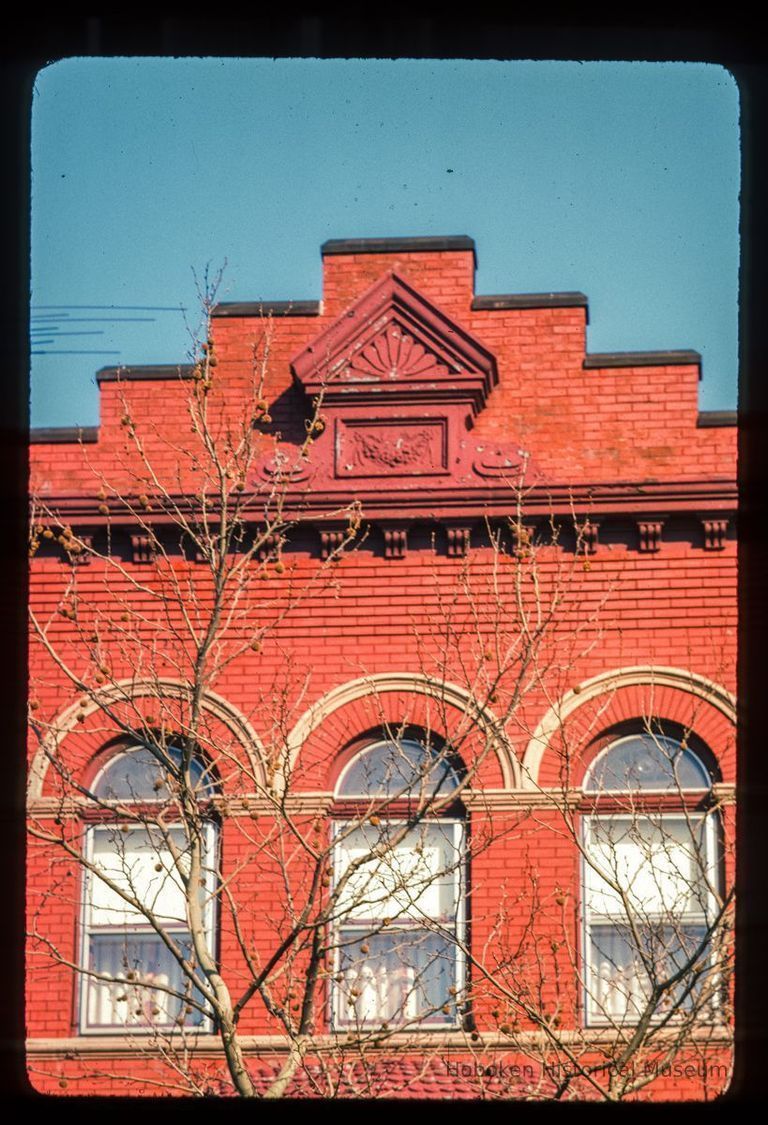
141	1002
616	983
107	918
420	878
402	996
131	860
136	776
619	984
674	769
404	977
663	862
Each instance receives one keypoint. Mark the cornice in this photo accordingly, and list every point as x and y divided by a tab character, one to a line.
423	245
708	419
265	309
678	358
428	502
59	435
149	372
500	301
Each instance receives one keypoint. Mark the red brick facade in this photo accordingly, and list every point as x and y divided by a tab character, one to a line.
436	404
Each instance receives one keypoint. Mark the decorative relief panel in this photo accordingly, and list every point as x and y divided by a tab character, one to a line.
391	447
285	470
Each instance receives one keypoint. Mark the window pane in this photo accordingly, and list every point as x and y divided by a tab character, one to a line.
394	977
140	1001
660	865
405	768
139	862
137	775
418	878
144	868
623	972
646	761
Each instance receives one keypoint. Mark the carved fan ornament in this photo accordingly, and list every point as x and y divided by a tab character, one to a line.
394	354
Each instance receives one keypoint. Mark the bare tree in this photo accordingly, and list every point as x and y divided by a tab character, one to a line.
368	956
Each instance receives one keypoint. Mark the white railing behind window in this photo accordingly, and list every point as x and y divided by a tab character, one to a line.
380	994
622	991
126	1003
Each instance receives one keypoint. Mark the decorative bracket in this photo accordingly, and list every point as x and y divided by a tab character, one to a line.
650	535
458	542
142	548
588	533
395	542
83	557
522	538
714	534
330	542
269	547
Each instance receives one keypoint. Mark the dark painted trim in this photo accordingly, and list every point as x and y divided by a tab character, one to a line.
532	301
58	435
642	359
711	418
644	499
398	245
266	308
147	372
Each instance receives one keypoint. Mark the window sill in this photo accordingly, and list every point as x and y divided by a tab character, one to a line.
454	1040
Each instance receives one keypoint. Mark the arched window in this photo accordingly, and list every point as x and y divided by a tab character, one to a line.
138	775
650	881
397	768
135	932
399	888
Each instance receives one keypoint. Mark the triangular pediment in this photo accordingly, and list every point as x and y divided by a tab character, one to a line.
394	338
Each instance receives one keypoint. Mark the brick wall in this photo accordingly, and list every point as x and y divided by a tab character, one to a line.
622	608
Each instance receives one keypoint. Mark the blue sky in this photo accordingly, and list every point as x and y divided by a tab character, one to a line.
617	179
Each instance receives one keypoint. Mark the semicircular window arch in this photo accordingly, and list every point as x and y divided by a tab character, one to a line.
646	762
407	768
138	774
